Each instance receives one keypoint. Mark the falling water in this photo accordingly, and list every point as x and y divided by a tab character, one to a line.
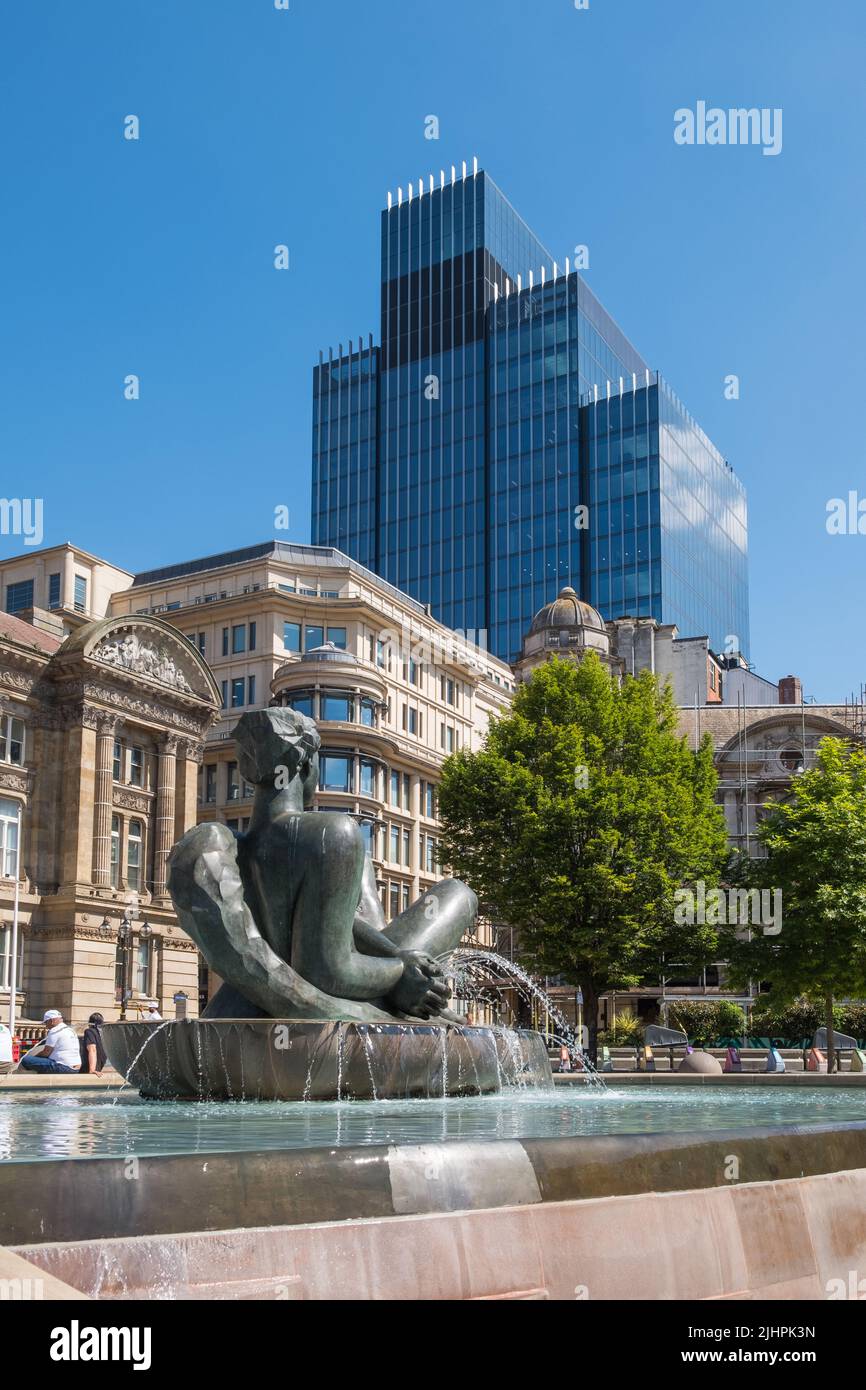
148	1040
368	1053
467	964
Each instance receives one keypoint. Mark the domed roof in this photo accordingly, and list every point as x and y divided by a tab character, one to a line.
328	652
567	610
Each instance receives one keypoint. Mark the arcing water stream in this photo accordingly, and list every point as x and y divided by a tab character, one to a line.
474	970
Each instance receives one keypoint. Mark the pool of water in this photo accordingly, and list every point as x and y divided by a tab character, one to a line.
67	1126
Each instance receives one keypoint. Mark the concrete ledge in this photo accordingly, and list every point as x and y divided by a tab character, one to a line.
745	1078
797	1239
97	1199
30	1081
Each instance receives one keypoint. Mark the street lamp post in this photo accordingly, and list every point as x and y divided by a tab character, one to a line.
123	940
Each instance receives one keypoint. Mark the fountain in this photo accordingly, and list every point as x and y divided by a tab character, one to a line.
322	999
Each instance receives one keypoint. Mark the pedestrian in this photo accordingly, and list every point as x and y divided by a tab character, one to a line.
58	1052
93	1056
564	1058
151	1012
7	1059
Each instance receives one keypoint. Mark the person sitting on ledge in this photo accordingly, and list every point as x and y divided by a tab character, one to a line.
309	891
58	1052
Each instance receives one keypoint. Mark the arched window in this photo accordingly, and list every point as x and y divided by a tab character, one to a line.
133	856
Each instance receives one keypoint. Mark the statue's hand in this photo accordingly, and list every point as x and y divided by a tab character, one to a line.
421	989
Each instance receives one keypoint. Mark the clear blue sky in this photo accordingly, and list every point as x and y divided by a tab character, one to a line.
261	127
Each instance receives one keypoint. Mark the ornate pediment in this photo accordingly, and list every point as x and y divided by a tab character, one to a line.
141	657
145	650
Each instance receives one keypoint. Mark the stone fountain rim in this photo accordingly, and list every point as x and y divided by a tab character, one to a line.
318	1022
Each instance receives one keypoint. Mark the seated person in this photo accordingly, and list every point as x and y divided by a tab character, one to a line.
6	1050
58	1052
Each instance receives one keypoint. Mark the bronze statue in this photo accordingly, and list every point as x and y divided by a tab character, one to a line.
288	914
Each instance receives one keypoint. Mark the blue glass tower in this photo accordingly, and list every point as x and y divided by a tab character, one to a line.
486	453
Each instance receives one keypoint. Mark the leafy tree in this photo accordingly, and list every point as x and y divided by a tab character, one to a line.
794	1020
579	818
707	1019
816	858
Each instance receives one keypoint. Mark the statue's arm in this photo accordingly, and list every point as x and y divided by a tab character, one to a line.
207	891
369	924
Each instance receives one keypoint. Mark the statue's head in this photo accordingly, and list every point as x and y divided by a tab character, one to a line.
278	743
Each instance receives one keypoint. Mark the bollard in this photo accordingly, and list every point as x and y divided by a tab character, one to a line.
858	1059
645	1059
775	1060
816	1060
606	1059
733	1060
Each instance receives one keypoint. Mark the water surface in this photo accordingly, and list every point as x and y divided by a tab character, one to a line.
69	1126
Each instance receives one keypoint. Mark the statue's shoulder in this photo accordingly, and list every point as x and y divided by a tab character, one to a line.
210	838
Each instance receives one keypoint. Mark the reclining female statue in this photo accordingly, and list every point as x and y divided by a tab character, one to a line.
288	914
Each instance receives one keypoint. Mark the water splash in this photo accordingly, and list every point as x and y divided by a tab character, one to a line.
148	1040
473	971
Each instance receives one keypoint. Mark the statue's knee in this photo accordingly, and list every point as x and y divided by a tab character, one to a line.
459	896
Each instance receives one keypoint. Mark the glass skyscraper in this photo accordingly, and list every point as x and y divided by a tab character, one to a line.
506	439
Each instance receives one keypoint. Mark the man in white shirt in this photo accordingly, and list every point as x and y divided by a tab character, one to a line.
151	1012
5	1049
60	1052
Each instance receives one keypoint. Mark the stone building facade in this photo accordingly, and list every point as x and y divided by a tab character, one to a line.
101	742
392	690
626	646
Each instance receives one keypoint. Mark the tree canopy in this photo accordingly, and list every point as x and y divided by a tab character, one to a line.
577	821
815	846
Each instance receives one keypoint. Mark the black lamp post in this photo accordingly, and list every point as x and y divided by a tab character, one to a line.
123	939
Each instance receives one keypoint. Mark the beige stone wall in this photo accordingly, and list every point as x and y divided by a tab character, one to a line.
73	707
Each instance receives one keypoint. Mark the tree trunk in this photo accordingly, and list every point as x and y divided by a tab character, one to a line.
831	1039
590	1016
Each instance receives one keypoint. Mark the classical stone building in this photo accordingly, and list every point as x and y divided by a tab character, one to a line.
117	706
763	735
760	749
101	740
393	691
569	627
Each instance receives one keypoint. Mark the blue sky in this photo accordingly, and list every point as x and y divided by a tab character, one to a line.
261	126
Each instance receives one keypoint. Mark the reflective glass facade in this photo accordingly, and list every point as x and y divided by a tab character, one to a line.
668	534
452	460
345	451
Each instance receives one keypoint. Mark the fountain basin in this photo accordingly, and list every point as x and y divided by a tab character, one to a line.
301	1059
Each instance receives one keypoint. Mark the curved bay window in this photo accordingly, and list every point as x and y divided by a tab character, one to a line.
367	785
336	772
335	706
338	706
303	702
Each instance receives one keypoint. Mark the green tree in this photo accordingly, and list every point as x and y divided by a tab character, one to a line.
816	858
579	818
707	1019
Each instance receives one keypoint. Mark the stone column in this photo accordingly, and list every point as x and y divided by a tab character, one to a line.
102	800
164	830
189	759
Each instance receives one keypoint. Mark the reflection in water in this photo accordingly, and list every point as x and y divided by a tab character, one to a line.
74	1127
